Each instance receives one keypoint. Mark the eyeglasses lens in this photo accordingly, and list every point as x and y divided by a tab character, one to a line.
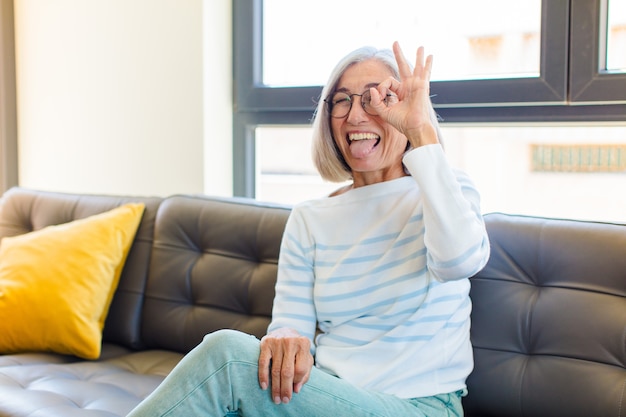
341	103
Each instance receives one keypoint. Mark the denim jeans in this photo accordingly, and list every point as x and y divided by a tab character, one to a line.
220	378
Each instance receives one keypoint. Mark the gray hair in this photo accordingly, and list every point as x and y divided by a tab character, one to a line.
326	155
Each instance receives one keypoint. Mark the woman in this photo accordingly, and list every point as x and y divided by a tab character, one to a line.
379	270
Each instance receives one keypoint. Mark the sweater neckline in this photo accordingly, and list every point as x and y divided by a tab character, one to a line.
380	188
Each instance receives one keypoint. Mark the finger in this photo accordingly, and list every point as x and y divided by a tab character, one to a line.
377	102
297	387
403	66
276	371
389	84
264	366
304	363
286	381
379	93
419	62
384	86
287	372
428	67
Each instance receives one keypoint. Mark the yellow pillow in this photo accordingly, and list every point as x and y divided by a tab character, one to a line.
56	284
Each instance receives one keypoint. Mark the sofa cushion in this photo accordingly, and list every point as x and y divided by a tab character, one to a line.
102	388
23	210
549	320
108	351
56	284
213	267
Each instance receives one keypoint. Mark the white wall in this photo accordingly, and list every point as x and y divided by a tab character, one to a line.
110	96
218	98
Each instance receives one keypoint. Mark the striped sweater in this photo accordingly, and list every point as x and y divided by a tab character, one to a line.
383	271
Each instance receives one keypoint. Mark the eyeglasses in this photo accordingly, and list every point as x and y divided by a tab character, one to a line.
340	103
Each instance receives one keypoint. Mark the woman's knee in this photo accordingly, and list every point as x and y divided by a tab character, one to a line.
231	344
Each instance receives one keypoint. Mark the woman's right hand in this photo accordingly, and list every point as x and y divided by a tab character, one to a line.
286	359
411	115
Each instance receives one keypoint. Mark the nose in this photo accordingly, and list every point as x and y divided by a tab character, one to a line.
356	113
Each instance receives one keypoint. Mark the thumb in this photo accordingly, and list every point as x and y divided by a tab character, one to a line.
377	101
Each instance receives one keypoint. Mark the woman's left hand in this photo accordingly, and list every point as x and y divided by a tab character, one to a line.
411	115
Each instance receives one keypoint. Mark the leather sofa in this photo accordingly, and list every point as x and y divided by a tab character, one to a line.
548	325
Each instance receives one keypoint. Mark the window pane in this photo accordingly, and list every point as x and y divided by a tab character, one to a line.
616	36
285	170
570	171
478	39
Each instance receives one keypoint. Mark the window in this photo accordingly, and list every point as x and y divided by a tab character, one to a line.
616	36
533	74
480	48
569	170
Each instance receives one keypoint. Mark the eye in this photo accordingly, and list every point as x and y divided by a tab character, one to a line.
391	99
366	98
340	98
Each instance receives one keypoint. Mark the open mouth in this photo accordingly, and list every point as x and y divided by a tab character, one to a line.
362	144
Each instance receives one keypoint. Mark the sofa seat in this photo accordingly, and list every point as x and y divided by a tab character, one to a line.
54	385
109	350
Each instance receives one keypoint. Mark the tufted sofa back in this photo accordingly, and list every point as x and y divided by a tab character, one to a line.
213	267
549	320
197	263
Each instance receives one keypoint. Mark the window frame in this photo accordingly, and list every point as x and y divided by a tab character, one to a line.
8	99
571	87
590	82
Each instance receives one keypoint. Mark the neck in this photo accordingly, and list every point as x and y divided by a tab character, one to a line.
361	179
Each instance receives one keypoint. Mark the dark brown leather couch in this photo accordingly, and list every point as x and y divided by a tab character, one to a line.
549	320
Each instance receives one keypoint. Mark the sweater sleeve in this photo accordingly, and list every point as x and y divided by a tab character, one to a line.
293	303
455	236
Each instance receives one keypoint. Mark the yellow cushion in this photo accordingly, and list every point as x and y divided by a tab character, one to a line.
56	284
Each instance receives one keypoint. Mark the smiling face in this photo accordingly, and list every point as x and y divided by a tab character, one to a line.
371	147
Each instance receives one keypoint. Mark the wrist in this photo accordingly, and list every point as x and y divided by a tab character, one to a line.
425	135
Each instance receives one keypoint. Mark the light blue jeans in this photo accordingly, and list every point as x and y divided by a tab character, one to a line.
220	378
